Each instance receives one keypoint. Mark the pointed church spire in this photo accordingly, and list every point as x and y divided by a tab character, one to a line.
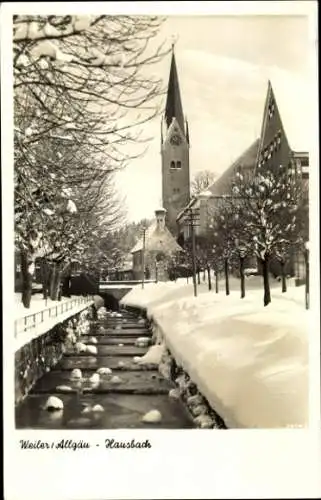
274	149
173	108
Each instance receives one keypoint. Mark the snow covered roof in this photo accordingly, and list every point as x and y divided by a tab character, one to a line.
157	238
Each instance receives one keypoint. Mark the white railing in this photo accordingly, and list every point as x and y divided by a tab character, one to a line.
29	321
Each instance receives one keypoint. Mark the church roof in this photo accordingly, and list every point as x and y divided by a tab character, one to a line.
174	106
246	161
157	239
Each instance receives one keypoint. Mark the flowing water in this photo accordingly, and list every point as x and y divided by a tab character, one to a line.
136	390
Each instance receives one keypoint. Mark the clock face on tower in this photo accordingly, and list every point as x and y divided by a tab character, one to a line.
175	140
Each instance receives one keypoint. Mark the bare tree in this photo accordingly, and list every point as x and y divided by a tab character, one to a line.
269	207
202	180
82	87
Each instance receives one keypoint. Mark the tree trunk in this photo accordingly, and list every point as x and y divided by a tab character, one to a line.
266	282
27	270
209	278
66	286
242	276
198	276
216	282
45	278
51	279
55	281
283	277
204	274
227	283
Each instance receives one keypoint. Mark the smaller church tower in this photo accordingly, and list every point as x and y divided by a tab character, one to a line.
174	152
159	248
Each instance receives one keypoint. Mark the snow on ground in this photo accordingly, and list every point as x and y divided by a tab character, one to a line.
249	361
37	304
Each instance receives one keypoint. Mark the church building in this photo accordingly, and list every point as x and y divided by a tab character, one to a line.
154	253
175	146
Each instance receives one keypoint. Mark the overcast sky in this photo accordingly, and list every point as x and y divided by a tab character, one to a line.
224	64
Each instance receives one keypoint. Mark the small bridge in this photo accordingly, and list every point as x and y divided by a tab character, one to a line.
125	284
113	291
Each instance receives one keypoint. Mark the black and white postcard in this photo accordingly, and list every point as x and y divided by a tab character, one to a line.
160	221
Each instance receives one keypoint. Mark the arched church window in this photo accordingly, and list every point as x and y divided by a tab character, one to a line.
178	164
173	164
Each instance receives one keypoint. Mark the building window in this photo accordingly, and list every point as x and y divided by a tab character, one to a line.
176	190
176	164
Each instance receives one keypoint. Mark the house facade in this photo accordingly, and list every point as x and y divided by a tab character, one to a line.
154	252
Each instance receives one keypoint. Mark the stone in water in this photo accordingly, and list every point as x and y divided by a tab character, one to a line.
204	422
153	416
98	408
94	379
104	371
142	342
63	388
54	403
91	349
174	393
80	347
197	399
199	410
115	379
76	374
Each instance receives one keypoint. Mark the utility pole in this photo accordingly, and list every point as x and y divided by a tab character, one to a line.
143	256
192	221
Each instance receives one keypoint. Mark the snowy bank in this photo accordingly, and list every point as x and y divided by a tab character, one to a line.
38	318
249	361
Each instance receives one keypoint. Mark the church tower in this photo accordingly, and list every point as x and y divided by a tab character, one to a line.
174	152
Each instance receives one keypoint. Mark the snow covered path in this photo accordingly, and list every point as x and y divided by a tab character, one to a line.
249	361
44	315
